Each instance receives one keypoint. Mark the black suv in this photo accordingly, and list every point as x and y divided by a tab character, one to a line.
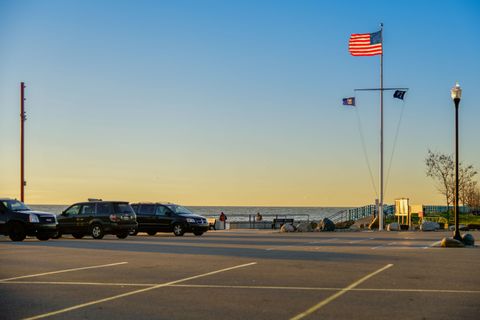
97	218
168	217
19	221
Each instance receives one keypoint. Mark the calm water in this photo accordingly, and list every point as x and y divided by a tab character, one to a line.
239	213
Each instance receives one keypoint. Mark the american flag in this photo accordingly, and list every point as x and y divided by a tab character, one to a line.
365	44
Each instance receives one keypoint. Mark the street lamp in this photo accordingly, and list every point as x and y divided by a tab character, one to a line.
456	94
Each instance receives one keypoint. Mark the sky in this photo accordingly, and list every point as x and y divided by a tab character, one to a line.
232	102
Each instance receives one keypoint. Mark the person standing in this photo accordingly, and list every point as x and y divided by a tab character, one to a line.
258	217
223	219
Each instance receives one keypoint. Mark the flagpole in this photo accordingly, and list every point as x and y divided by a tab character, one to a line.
380	214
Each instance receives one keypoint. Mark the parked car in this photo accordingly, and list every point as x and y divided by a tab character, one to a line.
168	217
19	221
97	218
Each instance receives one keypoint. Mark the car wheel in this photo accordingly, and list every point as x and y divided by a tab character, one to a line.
97	231
122	235
152	233
57	235
17	232
133	232
78	235
198	233
43	237
178	230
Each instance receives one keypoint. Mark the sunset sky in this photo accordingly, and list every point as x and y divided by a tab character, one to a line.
232	102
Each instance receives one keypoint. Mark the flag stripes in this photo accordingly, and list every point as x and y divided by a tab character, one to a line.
361	44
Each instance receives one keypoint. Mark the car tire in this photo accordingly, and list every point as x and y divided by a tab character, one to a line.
198	233
43	237
133	232
57	235
178	230
122	235
97	231
152	233
17	232
78	235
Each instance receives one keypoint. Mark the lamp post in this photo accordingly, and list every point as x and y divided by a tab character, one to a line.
456	94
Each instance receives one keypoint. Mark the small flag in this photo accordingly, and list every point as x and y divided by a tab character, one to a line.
365	44
399	94
349	101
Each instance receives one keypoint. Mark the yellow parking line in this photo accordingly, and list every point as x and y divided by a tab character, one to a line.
339	294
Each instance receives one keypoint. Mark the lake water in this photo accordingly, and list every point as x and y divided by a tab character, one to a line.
239	213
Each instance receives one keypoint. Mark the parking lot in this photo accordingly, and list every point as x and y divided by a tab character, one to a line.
241	275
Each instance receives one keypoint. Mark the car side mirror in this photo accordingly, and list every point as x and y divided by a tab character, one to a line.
64	213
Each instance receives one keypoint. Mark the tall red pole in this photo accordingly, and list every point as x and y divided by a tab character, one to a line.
22	137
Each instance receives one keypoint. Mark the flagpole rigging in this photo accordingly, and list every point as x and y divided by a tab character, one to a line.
380	214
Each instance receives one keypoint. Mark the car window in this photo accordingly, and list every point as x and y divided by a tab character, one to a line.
161	211
123	208
135	207
179	209
104	208
88	208
147	209
73	210
15	205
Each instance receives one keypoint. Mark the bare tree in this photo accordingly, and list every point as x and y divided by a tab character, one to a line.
472	196
441	168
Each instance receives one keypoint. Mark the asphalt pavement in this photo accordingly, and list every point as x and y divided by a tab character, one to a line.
244	274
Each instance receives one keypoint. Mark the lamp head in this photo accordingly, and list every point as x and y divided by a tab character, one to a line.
456	92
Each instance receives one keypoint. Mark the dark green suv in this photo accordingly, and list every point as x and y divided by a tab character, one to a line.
19	221
97	218
168	217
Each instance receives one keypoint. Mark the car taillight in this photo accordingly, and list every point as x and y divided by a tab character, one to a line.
114	218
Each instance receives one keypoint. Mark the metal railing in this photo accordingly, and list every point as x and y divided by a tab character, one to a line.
354	214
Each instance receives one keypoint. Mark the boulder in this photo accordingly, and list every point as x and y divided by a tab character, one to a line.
468	239
344	224
451	243
304	227
326	225
287	227
362	223
394	226
429	226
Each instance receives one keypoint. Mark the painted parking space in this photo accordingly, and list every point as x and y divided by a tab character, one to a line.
189	277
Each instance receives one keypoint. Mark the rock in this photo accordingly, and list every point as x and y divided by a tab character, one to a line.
304	227
354	227
287	227
429	226
344	224
326	225
468	239
451	243
362	223
394	226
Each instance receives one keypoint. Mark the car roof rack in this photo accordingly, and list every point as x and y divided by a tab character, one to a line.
93	199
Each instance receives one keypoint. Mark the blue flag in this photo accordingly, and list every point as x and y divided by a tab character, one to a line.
349	101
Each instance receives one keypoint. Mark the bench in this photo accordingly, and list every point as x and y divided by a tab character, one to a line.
279	222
